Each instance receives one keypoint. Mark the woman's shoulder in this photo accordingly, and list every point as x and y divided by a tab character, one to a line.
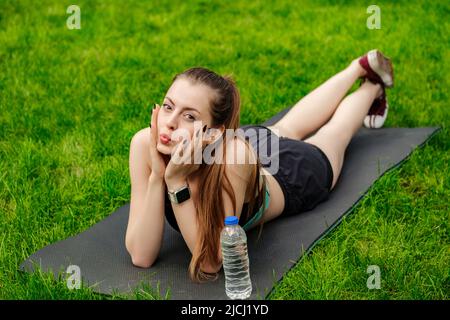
142	136
239	163
140	144
239	152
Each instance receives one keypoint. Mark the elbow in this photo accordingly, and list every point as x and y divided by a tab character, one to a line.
141	262
139	259
209	268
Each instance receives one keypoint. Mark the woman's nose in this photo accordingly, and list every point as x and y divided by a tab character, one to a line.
172	121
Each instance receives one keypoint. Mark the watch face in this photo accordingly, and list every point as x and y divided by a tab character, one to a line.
183	195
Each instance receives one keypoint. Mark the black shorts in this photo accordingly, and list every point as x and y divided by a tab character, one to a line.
302	169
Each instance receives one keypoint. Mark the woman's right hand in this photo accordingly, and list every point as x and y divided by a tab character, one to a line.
158	165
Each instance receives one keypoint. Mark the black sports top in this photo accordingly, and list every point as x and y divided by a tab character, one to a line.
244	224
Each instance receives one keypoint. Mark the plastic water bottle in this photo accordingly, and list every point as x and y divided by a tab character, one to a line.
236	265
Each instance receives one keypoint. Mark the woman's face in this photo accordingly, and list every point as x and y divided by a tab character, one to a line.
185	108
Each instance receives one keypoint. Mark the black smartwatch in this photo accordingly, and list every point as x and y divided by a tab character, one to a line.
180	195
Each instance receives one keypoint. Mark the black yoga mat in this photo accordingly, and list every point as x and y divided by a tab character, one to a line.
106	267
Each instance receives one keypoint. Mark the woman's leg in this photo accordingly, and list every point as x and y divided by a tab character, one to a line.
334	137
316	108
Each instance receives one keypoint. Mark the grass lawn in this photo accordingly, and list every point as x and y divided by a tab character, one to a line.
70	101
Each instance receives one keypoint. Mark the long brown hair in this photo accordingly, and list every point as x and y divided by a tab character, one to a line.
224	110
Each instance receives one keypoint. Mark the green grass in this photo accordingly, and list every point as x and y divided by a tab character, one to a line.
71	100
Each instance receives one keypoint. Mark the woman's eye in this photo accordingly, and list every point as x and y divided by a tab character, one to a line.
168	107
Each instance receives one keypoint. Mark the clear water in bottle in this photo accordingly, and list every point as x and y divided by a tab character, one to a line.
236	264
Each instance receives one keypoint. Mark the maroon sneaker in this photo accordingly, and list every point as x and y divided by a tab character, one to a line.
379	68
377	113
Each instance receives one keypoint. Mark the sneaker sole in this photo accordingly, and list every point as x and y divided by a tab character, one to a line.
382	66
376	121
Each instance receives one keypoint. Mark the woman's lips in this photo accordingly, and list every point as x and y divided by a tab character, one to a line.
164	138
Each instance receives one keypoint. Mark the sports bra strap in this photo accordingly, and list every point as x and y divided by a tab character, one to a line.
257	216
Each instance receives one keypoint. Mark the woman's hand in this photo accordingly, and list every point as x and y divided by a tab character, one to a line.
186	158
158	164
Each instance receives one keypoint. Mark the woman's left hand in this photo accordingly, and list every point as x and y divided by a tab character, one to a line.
186	158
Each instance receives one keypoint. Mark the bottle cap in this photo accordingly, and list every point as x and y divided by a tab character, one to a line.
231	220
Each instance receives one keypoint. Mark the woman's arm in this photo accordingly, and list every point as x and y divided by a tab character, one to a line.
146	220
238	170
185	214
